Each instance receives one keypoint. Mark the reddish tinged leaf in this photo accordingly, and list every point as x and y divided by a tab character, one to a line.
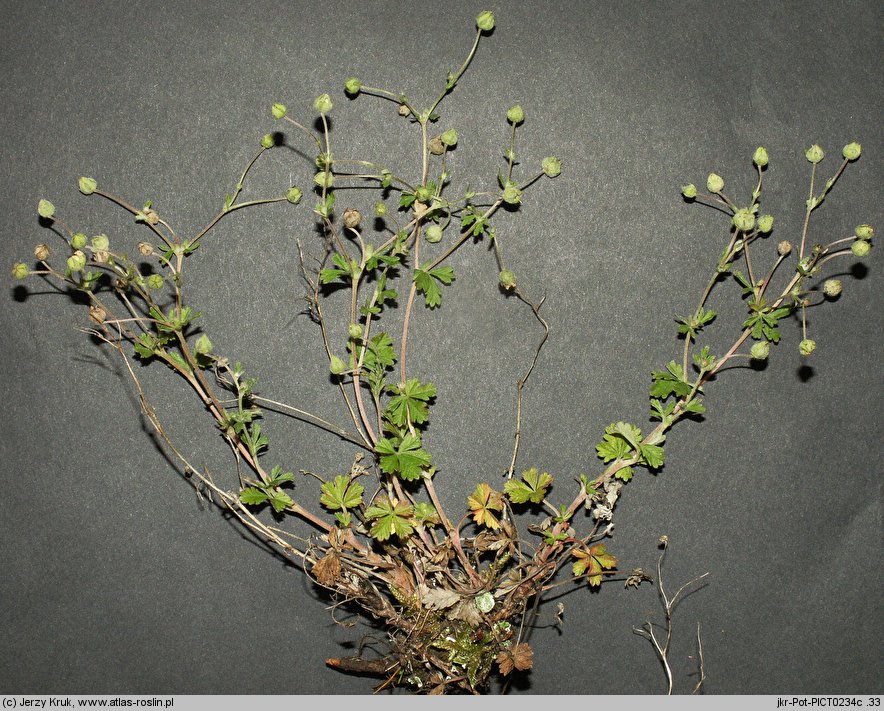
520	658
592	562
483	502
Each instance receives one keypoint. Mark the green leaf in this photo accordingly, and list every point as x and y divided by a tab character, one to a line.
695	406
410	403
280	501
619	441
278	478
253	496
426	513
651	455
592	562
532	487
425	281
670	382
406	457
342	493
624	474
389	519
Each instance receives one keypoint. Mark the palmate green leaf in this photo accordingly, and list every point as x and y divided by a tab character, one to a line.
253	496
671	381
342	493
592	562
389	519
280	501
409	404
532	487
651	455
345	268
619	441
405	458
426	282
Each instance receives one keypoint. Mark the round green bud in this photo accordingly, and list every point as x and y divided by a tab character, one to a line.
380	208
352	86
784	248
865	231
744	219
267	140
515	114
552	166
336	365
433	234
324	160
277	110
714	183
423	194
45	209
765	223
294	195
485	21
87	185
323	103
814	154
202	346
832	288
851	151
41	252
806	347
79	240
324	179
507	279
689	191
449	137
860	248
354	330
511	194
760	350
77	261
155	281
20	270
100	243
760	157
485	602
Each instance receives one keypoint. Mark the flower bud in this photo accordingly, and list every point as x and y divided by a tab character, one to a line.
323	103
744	219
485	21
784	248
552	166
515	114
511	194
41	252
814	154
806	347
433	234
507	279
380	208
865	231
352	218
449	137
87	185
277	110
20	270
851	151
79	240
145	249
267	140
45	209
293	195
760	350
352	86
77	261
336	365
760	157
423	194
155	281
765	223
832	288
354	330
97	314
714	183
435	146
860	248
689	191
203	346
100	243
324	179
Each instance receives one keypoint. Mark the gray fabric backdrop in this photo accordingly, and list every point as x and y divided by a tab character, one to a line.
117	579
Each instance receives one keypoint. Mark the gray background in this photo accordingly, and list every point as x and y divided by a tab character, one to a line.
116	578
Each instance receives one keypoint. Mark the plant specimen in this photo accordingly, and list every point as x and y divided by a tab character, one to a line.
456	590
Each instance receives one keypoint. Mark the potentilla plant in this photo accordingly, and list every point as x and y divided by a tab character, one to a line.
456	591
